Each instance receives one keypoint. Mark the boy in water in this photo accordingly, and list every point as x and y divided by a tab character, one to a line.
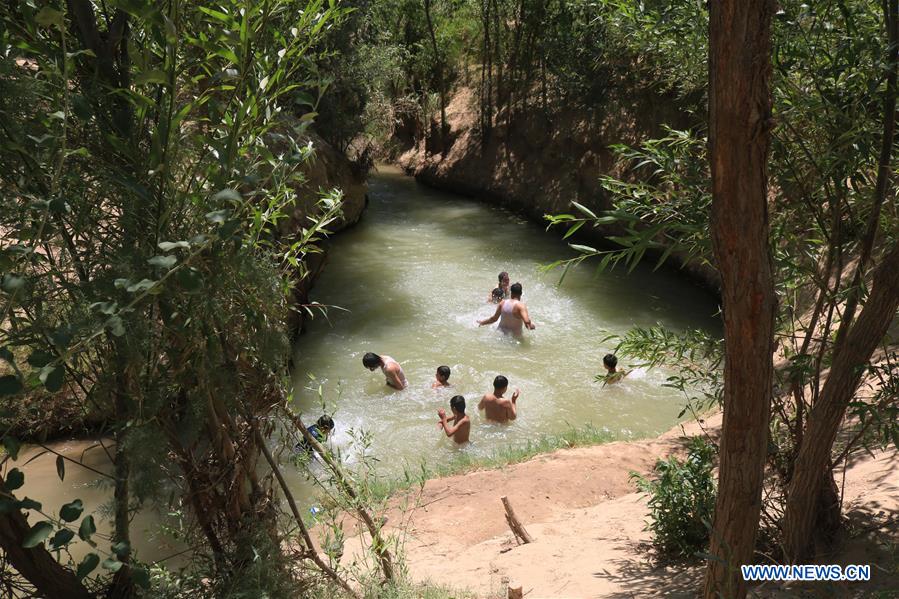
443	374
503	281
392	370
496	296
460	426
613	375
320	431
496	407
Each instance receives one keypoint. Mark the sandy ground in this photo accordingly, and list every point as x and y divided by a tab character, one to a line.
588	527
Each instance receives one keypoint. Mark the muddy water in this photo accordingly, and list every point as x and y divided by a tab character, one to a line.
412	279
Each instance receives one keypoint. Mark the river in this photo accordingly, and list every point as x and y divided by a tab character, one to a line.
411	279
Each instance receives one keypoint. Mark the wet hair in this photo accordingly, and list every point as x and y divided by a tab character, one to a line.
502	275
371	360
457	403
515	289
444	371
326	423
610	360
498	293
500	382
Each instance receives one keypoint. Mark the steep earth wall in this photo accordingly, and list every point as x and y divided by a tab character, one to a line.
536	166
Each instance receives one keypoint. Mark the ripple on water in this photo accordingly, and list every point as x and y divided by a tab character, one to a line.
414	276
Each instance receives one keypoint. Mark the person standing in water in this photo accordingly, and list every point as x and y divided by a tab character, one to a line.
441	378
496	407
392	370
512	314
459	426
503	285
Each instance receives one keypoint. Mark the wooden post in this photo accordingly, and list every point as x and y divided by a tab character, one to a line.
515	591
517	529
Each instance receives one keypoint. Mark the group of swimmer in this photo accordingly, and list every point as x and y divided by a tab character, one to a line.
513	317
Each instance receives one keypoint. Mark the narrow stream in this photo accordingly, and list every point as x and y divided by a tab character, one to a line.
412	279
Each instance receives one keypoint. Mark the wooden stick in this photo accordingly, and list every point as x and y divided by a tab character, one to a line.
517	529
515	591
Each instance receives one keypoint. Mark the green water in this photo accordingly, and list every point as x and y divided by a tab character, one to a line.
412	279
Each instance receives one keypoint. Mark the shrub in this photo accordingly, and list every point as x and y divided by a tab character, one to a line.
681	500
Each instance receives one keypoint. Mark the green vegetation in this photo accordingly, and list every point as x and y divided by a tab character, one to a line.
157	224
681	500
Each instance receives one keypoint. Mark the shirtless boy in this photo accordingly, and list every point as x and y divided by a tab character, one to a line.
442	377
512	314
460	425
392	370
613	375
496	407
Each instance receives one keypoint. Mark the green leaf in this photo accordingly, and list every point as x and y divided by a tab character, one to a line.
584	249
28	504
218	217
165	262
121	549
61	467
87	528
62	538
12	445
72	511
47	17
105	307
7	356
61	337
167	246
115	326
52	377
141	577
584	209
9	385
152	76
11	283
15	478
141	285
88	564
227	195
37	534
39	358
112	565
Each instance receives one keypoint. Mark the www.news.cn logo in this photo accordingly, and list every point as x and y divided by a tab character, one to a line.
807	572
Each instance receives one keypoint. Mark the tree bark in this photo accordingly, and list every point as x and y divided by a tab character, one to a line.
813	460
37	565
739	124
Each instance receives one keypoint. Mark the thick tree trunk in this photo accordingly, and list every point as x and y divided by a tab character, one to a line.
813	460
37	565
740	111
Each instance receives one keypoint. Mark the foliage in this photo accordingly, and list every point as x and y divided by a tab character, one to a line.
681	500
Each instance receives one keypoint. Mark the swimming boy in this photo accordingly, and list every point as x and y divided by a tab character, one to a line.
613	375
460	426
442	376
496	296
512	314
496	407
392	370
503	285
320	431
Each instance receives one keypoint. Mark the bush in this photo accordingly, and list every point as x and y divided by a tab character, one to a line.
681	500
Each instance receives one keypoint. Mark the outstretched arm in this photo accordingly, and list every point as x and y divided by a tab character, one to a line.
493	318
511	409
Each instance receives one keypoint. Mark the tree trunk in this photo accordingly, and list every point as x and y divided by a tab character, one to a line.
813	460
37	565
440	82
739	123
